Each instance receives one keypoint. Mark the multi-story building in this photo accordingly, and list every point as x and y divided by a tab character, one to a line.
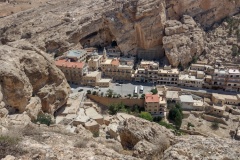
147	72
190	81
155	104
233	80
112	68
94	79
77	55
219	77
94	63
73	71
168	75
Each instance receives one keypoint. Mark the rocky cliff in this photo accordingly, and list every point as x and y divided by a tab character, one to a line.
29	80
133	24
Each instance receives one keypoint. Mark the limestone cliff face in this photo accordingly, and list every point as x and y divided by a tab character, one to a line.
183	42
26	73
134	24
205	12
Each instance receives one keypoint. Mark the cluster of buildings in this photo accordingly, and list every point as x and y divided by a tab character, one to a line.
87	67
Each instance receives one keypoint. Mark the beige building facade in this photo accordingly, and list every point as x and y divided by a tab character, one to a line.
155	104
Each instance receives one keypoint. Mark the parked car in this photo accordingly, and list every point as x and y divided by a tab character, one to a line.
96	87
117	84
80	90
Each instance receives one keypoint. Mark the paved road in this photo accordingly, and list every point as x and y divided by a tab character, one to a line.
128	88
124	89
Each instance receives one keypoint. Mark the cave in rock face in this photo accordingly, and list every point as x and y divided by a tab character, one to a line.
101	38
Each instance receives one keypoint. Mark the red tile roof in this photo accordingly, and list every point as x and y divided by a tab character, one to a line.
115	62
151	98
64	63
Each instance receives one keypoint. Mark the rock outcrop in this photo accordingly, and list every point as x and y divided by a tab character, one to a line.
198	147
147	140
136	25
183	42
27	73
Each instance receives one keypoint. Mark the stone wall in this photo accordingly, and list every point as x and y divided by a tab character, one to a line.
214	119
107	101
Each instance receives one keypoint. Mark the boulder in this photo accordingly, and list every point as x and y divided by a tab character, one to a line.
134	132
27	72
184	41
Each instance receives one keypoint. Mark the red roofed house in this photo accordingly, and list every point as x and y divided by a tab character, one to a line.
155	104
73	71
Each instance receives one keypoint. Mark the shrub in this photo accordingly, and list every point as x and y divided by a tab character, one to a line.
167	125
154	91
88	92
94	93
157	119
109	93
9	146
142	96
235	50
96	134
44	119
82	143
102	94
146	115
215	125
190	125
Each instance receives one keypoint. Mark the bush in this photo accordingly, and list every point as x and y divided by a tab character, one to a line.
190	125
154	91
82	143
96	134
9	146
167	125
215	125
114	108
146	115
235	50
142	96
157	119
109	93
94	93
88	92
44	119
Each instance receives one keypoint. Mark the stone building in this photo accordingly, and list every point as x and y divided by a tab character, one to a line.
168	75
77	55
94	63
155	104
95	79
233	80
219	77
189	80
191	102
73	71
112	68
147	71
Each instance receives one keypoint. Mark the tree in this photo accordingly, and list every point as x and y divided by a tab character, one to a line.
88	92
146	115
142	96
102	94
94	93
113	109
176	115
109	93
154	91
215	125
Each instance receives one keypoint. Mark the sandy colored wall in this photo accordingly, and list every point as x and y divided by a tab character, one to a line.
107	101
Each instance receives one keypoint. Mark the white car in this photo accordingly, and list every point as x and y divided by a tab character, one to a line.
117	84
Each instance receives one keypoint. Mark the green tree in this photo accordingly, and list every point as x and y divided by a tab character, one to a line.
142	96
146	115
94	93
176	115
109	93
88	92
215	125
154	91
113	109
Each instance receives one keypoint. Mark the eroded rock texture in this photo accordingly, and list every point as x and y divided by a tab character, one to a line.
148	140
26	73
183	42
134	24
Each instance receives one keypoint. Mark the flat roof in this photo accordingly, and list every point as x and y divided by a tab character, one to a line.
108	61
172	70
105	80
125	66
186	98
172	95
93	74
76	53
234	71
224	96
188	77
219	107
